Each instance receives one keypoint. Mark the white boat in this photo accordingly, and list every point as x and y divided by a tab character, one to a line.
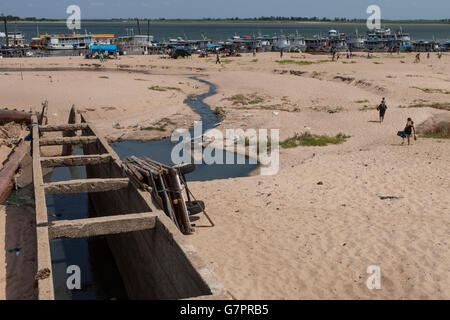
74	41
337	41
15	39
135	44
296	42
280	42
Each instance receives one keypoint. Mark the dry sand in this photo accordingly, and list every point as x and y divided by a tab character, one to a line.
286	236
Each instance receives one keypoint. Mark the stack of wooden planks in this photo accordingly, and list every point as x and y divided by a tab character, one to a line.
165	185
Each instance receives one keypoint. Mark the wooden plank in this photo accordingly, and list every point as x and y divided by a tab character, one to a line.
63	127
100	226
44	280
178	201
67	140
44	119
9	170
102	140
67	149
72	161
86	186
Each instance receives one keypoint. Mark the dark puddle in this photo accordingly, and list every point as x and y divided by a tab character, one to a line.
100	278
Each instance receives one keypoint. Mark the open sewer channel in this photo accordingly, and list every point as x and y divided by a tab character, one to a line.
100	278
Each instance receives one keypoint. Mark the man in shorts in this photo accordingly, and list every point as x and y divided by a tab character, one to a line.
382	109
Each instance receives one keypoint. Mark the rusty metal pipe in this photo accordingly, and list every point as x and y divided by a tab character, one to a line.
15	115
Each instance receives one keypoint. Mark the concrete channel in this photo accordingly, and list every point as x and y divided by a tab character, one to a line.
154	259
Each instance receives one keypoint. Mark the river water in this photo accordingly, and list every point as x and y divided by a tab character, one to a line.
223	31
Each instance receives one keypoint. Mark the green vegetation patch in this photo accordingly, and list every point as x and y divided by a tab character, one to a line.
430	90
300	63
158	88
434	105
366	108
161	125
306	139
245	99
440	131
328	109
220	112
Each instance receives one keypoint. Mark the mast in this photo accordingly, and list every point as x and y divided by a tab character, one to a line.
148	30
15	39
139	27
6	33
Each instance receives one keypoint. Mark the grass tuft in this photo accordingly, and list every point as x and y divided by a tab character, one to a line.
306	139
440	131
430	90
434	105
245	100
158	88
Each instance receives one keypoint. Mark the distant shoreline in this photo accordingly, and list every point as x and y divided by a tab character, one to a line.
409	22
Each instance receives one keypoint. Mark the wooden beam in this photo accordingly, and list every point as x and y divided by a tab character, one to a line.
73	161
86	186
44	279
63	127
101	226
67	140
9	170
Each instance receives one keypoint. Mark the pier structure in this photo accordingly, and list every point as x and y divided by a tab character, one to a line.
153	257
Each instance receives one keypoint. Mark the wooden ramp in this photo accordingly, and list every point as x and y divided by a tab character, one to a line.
154	259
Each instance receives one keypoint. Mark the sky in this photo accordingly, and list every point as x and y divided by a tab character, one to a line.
191	9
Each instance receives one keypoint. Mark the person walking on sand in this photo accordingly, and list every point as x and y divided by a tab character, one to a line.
440	54
406	133
382	109
254	52
217	59
417	58
281	52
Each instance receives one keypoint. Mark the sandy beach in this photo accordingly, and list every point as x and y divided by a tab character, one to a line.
312	230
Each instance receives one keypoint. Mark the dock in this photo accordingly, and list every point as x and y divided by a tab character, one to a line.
153	257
